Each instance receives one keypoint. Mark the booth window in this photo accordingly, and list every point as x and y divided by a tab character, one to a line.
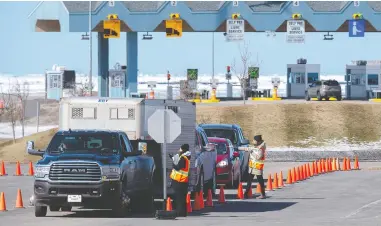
372	79
55	81
312	77
357	79
298	78
122	113
83	113
69	79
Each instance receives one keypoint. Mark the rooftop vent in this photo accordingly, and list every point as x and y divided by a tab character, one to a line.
301	61
361	63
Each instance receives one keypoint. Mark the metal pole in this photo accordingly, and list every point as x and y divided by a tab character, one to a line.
164	158
213	56
46	85
38	115
90	53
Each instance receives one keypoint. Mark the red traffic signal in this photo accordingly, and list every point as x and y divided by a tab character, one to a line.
228	69
168	76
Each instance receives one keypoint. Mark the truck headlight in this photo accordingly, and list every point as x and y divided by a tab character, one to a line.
223	163
110	172
41	171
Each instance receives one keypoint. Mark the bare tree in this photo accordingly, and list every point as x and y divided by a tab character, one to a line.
242	70
11	108
22	93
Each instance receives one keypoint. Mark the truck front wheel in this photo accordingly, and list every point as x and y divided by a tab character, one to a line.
40	211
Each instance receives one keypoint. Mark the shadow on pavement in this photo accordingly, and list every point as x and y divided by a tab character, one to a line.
101	214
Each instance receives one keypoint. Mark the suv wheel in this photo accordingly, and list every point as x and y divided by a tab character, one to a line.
319	96
339	98
308	98
40	211
327	98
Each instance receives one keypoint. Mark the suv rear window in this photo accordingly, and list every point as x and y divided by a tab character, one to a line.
331	83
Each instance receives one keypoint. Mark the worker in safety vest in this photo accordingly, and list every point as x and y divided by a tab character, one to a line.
256	164
180	178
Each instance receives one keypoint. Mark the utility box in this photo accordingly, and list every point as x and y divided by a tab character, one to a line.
60	83
118	82
362	79
300	76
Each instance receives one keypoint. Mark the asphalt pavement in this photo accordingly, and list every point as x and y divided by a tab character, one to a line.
337	198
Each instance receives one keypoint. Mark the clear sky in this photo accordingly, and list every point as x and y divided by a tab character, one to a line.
23	51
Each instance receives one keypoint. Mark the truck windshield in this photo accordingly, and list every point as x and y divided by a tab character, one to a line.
223	133
84	143
221	148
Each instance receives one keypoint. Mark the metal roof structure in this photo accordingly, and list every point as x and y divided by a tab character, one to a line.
203	16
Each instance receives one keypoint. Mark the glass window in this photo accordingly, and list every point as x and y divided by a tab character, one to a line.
298	78
331	83
357	79
223	133
231	149
127	142
80	143
312	77
372	79
221	148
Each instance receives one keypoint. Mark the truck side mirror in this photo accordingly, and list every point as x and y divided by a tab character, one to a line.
142	147
30	149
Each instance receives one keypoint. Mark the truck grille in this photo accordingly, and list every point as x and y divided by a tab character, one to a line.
75	171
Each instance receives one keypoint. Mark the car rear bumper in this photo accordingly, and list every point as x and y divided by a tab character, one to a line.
331	93
102	194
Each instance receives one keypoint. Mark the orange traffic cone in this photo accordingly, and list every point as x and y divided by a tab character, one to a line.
297	174
201	196
304	171
301	173
240	192
280	180
293	175
31	171
196	204
308	172
337	164
349	164
333	164
326	166
318	167
209	199
344	168
275	181
169	204
269	184
259	190
189	204
250	193
18	169
357	166
2	169
19	202
329	162
3	206
221	198
289	179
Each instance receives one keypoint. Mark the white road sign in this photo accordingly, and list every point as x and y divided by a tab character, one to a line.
157	126
295	31
111	3
173	3
295	3
235	30
356	3
235	3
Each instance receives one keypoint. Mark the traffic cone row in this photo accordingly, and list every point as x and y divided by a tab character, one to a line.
19	201
18	169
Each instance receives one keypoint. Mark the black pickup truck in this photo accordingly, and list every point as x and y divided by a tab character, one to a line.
93	169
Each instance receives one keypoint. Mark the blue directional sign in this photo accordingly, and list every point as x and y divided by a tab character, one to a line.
356	28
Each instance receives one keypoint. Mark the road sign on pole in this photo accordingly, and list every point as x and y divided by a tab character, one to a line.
235	3
356	3
174	28
164	126
235	30
295	31
111	28
356	28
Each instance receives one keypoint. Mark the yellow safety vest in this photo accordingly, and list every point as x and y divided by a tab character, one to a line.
259	163
182	174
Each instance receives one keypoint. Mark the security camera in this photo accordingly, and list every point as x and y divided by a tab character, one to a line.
225	33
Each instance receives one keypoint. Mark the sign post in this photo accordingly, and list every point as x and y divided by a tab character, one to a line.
164	126
235	30
295	31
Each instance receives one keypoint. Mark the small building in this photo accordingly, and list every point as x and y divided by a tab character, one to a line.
60	83
300	76
362	77
118	81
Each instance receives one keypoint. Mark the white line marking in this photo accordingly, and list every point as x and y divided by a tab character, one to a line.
362	208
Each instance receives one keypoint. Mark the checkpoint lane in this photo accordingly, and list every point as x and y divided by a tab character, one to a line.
339	198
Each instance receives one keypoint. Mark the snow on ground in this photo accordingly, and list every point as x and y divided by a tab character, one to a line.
6	130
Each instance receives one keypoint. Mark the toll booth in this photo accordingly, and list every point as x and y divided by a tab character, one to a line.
362	78
118	82
60	83
300	76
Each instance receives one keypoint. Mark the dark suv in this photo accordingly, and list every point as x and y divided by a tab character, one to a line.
324	89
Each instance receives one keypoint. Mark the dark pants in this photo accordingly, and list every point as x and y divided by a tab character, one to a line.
260	181
181	191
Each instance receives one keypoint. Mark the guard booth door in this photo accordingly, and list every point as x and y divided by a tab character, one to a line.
117	83
54	85
358	86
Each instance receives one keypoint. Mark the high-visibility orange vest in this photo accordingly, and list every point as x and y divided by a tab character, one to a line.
259	163
182	174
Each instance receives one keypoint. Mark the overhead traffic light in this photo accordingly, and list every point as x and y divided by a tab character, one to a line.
296	16
228	69
357	16
175	16
236	16
112	17
168	76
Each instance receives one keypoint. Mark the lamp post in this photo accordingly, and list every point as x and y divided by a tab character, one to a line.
90	53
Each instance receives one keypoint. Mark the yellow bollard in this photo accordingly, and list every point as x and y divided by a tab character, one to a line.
275	93
213	94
